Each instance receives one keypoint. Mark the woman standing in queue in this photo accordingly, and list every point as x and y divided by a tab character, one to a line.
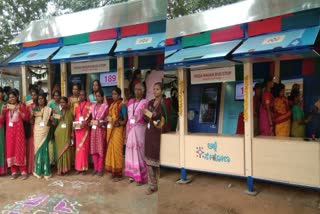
266	110
3	165
117	120
41	114
31	104
282	113
96	86
135	166
98	133
74	98
55	106
82	135
155	116
15	113
63	135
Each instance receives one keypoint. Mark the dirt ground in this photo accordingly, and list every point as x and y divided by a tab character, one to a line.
214	194
208	194
74	194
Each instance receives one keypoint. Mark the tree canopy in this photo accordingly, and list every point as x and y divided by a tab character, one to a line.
15	15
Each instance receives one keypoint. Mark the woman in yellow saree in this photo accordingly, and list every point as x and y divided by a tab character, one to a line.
117	120
282	113
41	115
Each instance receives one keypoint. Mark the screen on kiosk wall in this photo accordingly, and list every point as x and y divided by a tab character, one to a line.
239	90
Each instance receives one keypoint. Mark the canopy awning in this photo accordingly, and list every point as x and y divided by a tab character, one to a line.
297	43
84	51
36	56
141	44
206	54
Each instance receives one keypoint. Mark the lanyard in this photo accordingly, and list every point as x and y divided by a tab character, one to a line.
81	108
135	106
95	113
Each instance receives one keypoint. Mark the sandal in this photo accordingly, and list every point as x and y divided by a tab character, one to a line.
100	174
94	173
139	184
24	177
116	179
130	180
149	191
14	176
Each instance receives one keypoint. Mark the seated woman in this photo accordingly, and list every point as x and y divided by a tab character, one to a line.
298	119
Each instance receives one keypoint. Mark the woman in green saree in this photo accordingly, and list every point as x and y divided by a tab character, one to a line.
41	114
55	106
63	135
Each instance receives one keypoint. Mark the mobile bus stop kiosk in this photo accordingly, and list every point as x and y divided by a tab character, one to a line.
272	159
88	38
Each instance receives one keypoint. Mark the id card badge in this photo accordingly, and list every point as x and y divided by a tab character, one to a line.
148	125
109	126
94	127
132	121
10	124
41	124
63	125
81	119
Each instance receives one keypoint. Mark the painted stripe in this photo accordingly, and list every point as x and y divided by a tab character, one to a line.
133	30
103	35
227	34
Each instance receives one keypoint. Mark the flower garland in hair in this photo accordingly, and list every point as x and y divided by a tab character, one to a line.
245	96
180	92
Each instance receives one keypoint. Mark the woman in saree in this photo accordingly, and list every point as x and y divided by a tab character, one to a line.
135	166
256	107
117	120
74	98
82	134
96	86
298	119
55	106
41	114
157	112
98	133
31	104
282	113
63	135
266	127
3	166
15	113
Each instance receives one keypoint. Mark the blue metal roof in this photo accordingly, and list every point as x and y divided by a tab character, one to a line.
292	41
84	51
201	55
33	56
141	44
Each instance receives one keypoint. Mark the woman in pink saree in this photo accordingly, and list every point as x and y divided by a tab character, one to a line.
82	133
98	133
135	166
266	113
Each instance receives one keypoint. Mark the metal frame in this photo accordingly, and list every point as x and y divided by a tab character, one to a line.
239	13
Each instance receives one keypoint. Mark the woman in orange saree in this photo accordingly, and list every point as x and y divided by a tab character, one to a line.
282	113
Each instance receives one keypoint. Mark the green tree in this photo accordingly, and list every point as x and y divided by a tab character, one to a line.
15	15
177	8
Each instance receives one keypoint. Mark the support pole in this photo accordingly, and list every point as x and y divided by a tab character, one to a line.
24	82
182	77
248	125
63	67
120	70
136	61
277	71
49	81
